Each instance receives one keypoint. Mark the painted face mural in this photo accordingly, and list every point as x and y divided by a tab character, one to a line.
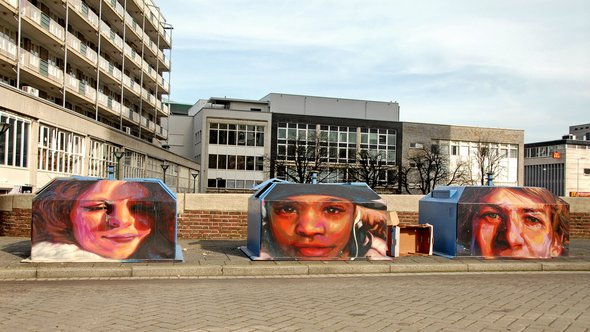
513	222
94	220
318	222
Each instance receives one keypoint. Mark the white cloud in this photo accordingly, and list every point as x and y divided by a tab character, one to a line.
454	61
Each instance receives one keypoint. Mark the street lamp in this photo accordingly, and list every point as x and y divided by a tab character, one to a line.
218	180
119	154
194	174
4	126
164	166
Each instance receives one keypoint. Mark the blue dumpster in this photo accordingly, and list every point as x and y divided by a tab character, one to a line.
519	222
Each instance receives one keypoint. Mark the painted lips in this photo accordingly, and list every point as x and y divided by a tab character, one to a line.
314	251
120	238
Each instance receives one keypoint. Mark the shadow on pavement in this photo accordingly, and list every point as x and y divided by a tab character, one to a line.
21	249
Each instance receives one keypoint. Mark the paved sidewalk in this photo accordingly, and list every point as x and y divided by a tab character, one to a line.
205	258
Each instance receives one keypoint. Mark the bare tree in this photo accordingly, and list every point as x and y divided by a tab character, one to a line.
428	167
302	158
371	167
488	161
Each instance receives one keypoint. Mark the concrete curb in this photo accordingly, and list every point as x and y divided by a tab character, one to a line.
274	269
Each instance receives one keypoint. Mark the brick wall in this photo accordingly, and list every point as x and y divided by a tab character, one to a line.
579	225
212	225
201	217
15	223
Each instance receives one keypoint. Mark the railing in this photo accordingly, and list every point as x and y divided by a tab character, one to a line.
111	35
109	103
85	12
148	69
144	121
135	117
116	7
166	109
131	84
163	83
126	112
7	46
43	67
132	55
82	48
109	68
80	87
44	21
151	125
13	3
166	35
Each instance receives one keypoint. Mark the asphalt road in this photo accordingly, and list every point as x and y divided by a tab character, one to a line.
428	302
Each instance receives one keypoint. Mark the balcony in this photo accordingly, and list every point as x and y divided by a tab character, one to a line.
111	35
80	87
131	85
7	47
108	68
129	52
85	12
133	26
84	50
116	7
42	21
42	67
164	84
150	98
10	3
109	103
148	69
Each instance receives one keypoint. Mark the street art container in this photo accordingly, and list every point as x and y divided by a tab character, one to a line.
90	219
491	222
291	221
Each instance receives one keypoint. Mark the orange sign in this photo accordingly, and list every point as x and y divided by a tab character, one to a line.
579	194
556	155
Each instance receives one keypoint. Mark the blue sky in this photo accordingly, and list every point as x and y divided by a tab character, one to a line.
521	64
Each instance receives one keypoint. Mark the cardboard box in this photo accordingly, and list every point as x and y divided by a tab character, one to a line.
410	240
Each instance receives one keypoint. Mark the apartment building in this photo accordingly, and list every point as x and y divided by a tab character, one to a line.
79	81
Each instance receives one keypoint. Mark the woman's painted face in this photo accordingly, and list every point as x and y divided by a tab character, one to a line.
514	225
312	225
112	218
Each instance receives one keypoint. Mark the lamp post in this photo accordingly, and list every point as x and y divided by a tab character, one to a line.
119	154
218	180
194	174
164	166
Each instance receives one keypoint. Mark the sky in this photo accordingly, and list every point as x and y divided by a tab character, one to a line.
518	64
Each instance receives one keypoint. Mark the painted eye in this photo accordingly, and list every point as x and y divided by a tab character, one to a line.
287	209
96	207
491	216
333	210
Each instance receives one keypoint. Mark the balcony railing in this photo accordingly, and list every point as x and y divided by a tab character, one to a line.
43	20
144	121
117	7
133	55
109	103
80	87
85	12
13	3
7	46
39	66
151	125
131	84
82	48
109	68
166	109
111	35
148	69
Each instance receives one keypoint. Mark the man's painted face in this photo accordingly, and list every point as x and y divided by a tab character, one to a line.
511	224
112	218
312	225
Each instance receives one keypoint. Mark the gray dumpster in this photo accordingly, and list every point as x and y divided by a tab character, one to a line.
289	221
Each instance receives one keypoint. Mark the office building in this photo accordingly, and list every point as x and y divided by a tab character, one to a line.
240	143
562	166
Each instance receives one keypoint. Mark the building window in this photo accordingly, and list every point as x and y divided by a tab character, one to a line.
60	151
102	154
14	144
232	134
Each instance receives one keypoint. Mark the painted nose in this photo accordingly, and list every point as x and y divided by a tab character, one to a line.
120	216
514	231
310	224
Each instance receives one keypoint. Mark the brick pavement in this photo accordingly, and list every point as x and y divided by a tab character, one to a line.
223	258
556	301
